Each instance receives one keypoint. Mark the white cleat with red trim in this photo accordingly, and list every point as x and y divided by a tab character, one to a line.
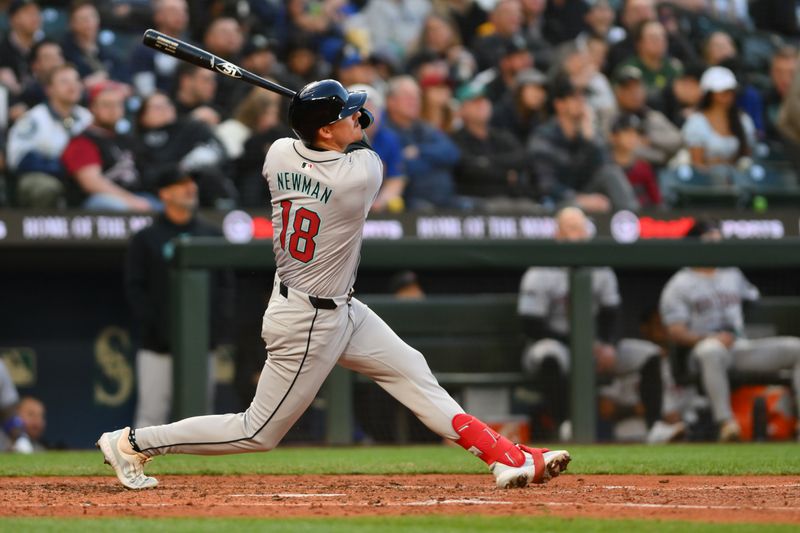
541	465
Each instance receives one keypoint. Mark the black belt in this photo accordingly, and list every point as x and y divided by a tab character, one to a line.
319	303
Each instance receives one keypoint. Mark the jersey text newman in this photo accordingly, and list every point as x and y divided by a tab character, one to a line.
301	183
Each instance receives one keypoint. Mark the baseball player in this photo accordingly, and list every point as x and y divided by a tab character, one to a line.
702	310
543	300
322	186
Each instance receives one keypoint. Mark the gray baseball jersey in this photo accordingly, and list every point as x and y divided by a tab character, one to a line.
320	201
707	303
544	292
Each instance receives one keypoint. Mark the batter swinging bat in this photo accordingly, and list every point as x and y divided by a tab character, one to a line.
197	56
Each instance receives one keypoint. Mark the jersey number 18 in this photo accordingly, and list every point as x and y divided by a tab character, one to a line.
302	217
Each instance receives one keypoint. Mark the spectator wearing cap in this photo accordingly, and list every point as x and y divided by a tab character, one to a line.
626	138
303	60
82	47
148	291
661	139
505	23
783	67
569	164
575	61
37	140
196	89
100	163
352	67
468	16
162	139
388	146
151	70
520	112
653	59
25	29
681	98
45	55
439	41
438	108
499	80
492	169
429	154
718	134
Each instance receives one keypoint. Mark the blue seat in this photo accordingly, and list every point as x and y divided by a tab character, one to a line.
685	186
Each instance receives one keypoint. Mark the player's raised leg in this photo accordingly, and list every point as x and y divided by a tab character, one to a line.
376	351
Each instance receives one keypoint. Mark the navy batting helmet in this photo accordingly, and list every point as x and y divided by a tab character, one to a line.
321	103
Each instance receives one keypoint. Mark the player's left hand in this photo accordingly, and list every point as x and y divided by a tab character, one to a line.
366	118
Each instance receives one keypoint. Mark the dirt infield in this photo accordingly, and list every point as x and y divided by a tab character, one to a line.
772	499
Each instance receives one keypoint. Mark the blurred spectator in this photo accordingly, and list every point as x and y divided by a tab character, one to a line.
429	154
13	437
303	61
151	70
718	135
99	162
25	29
652	58
576	62
392	25
38	138
789	122
439	41
45	55
569	163
633	14
247	136
782	71
683	95
468	16
702	310
314	18
543	308
493	163
33	415
405	286
506	23
778	16
564	20
352	67
523	110
626	139
599	19
499	80
731	11
147	286
225	38
94	60
720	50
162	140
661	139
387	145
196	89
533	28
437	100
259	57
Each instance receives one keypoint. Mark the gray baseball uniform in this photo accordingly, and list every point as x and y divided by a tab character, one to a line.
544	292
320	200
709	303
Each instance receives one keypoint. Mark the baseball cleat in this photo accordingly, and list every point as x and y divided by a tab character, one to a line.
541	465
129	467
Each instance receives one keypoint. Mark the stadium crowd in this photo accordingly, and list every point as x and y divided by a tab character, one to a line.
490	104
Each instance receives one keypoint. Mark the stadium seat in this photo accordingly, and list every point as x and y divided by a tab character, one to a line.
685	186
773	180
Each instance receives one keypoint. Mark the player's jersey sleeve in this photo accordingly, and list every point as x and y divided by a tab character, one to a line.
673	304
607	289
747	290
534	299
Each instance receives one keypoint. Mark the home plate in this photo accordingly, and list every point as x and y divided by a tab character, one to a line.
290	495
461	501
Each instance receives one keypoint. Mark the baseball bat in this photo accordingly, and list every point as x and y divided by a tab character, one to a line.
197	56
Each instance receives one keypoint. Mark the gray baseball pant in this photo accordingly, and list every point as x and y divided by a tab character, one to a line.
303	344
747	355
